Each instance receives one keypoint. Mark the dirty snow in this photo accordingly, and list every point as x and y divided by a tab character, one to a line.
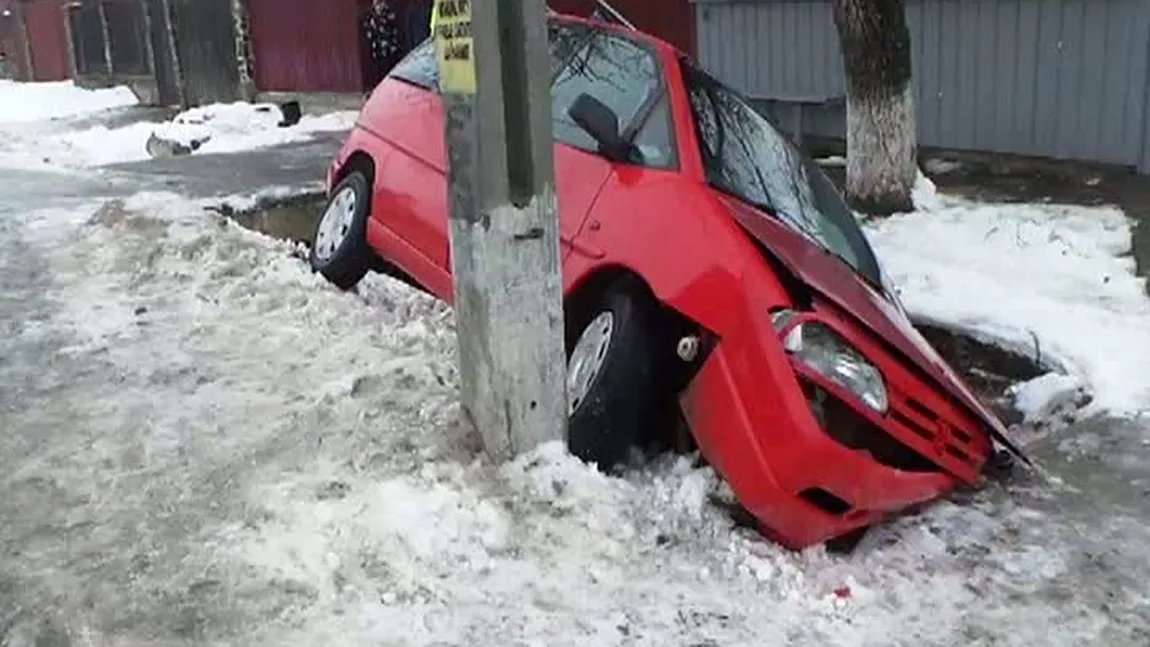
228	128
924	194
247	456
1047	396
28	102
252	200
832	161
1053	281
216	128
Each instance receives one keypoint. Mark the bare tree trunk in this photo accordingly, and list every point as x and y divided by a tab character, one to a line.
881	140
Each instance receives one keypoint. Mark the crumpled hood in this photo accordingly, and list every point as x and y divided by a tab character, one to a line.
837	282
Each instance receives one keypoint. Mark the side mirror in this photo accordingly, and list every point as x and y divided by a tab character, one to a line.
599	121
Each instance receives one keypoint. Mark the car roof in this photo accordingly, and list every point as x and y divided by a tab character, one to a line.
615	28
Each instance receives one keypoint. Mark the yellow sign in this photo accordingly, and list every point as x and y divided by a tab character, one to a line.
454	46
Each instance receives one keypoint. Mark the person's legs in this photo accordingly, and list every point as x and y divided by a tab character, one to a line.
417	25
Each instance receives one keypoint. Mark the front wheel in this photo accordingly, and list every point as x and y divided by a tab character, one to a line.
611	376
339	249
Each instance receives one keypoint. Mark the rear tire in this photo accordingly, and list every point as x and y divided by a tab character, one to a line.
339	251
619	398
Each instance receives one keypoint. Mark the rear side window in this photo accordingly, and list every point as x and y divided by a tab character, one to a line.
419	67
623	74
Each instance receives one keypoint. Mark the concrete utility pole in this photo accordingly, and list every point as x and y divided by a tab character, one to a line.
495	75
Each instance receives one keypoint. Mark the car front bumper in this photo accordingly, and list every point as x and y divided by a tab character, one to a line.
749	407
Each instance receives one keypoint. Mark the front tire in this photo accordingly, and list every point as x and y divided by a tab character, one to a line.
612	382
339	249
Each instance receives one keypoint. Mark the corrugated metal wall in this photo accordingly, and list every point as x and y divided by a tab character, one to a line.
1056	78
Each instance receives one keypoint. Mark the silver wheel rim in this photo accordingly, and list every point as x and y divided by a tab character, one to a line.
587	359
335	224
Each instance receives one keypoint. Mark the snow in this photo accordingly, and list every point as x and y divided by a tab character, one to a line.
832	161
252	200
205	441
30	102
925	195
295	456
215	128
1047	395
1055	280
228	128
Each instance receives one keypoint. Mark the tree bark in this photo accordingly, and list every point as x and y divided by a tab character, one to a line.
882	148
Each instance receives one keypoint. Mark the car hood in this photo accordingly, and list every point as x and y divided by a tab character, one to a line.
836	281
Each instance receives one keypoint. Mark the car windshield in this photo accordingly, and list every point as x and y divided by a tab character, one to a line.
746	157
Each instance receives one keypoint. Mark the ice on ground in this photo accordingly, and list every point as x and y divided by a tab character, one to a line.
216	128
22	102
277	462
1057	280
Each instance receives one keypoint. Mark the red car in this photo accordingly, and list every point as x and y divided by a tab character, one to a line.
705	261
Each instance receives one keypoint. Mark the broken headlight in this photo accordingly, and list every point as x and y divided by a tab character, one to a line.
828	354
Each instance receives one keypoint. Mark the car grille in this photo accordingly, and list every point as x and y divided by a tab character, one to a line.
847	427
945	437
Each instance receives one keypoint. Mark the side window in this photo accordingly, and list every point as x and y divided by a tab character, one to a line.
655	140
419	66
564	39
626	78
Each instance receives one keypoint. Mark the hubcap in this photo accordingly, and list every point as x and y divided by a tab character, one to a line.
587	359
335	224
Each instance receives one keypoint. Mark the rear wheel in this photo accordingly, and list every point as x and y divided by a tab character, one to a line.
340	251
612	385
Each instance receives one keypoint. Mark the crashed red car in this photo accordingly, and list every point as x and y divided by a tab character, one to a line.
705	261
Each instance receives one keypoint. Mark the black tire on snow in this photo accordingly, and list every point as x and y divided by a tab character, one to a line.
624	396
353	259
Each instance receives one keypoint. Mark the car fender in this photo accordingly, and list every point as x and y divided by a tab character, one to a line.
680	240
697	261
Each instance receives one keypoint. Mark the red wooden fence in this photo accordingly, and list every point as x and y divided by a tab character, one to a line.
44	22
306	45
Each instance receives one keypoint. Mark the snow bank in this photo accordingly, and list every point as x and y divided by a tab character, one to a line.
227	128
925	195
1047	396
29	102
1061	275
217	128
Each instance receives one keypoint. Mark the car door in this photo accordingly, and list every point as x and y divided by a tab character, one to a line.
626	76
413	181
411	184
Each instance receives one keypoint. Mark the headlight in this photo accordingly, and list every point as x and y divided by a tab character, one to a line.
834	358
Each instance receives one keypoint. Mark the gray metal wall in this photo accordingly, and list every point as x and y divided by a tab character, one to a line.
1056	78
